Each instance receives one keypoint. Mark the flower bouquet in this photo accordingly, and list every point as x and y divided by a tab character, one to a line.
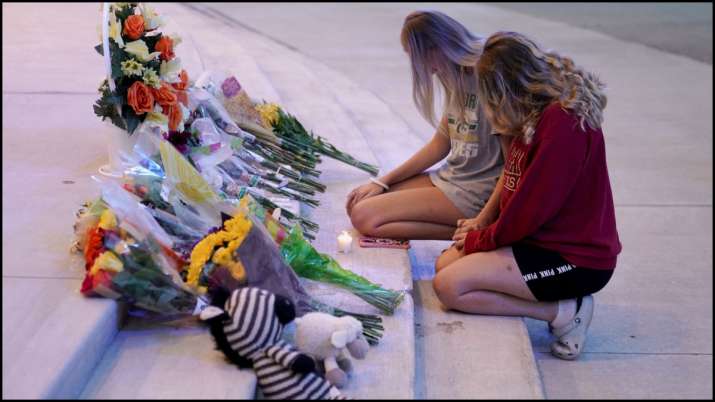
269	122
243	253
263	151
288	128
144	273
145	79
308	263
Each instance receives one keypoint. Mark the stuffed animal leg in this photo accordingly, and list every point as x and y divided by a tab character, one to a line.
327	338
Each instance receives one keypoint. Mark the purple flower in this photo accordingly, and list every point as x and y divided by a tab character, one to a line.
230	87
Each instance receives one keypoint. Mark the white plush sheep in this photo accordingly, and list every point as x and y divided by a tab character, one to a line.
326	338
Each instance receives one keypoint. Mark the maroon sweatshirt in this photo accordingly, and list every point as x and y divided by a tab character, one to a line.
556	195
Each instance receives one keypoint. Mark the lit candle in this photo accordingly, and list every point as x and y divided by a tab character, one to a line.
345	242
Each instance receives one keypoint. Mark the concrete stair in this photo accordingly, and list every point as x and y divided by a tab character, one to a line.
425	352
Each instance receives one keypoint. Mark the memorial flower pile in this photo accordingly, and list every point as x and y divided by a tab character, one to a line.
197	204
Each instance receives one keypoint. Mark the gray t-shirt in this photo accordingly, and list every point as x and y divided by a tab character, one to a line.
470	173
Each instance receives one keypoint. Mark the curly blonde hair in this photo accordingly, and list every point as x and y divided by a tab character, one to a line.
518	80
436	41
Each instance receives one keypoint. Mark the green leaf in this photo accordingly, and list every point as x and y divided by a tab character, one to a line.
151	41
124	13
132	119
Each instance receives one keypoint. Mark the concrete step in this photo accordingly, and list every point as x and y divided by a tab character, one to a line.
464	356
52	335
172	360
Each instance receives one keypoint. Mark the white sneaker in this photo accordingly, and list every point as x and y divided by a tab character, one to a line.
572	336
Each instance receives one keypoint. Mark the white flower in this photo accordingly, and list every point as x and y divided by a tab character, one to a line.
157	118
176	39
186	114
169	70
139	49
152	20
132	67
151	78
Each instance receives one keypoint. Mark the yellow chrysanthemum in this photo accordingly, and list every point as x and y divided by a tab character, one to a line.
269	113
106	261
235	230
107	220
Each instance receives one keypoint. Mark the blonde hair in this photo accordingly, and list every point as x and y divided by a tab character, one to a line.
517	81
434	40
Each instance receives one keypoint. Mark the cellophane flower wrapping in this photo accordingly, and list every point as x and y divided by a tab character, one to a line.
142	273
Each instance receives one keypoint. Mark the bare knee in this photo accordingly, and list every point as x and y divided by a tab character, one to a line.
445	289
447	257
363	218
442	262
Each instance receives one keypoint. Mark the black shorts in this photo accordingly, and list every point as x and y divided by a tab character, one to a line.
552	278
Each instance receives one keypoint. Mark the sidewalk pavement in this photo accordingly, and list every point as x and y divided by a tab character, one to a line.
652	331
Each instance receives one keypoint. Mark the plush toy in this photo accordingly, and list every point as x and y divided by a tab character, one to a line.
247	329
327	338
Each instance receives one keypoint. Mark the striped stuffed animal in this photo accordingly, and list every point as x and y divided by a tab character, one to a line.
248	330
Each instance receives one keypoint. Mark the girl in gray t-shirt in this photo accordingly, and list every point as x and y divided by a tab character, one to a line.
409	202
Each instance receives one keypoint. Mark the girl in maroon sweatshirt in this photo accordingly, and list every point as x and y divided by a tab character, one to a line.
554	242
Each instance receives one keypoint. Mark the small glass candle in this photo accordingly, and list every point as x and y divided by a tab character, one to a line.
345	242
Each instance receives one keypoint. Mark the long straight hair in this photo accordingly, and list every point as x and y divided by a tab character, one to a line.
434	40
518	80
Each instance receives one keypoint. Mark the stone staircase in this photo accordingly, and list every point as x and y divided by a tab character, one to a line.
426	352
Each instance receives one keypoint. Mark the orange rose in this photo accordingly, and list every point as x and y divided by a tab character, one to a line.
184	76
134	27
183	97
165	95
166	46
174	114
139	97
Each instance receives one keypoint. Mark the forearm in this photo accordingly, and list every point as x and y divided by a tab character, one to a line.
433	152
490	212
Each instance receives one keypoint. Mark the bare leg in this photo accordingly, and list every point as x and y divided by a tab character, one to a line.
412	209
489	283
447	257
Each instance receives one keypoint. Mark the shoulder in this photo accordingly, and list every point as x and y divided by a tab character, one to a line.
555	113
557	121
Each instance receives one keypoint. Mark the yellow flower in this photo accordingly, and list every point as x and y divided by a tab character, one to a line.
269	114
115	31
132	67
235	231
106	261
107	221
151	78
139	49
201	253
